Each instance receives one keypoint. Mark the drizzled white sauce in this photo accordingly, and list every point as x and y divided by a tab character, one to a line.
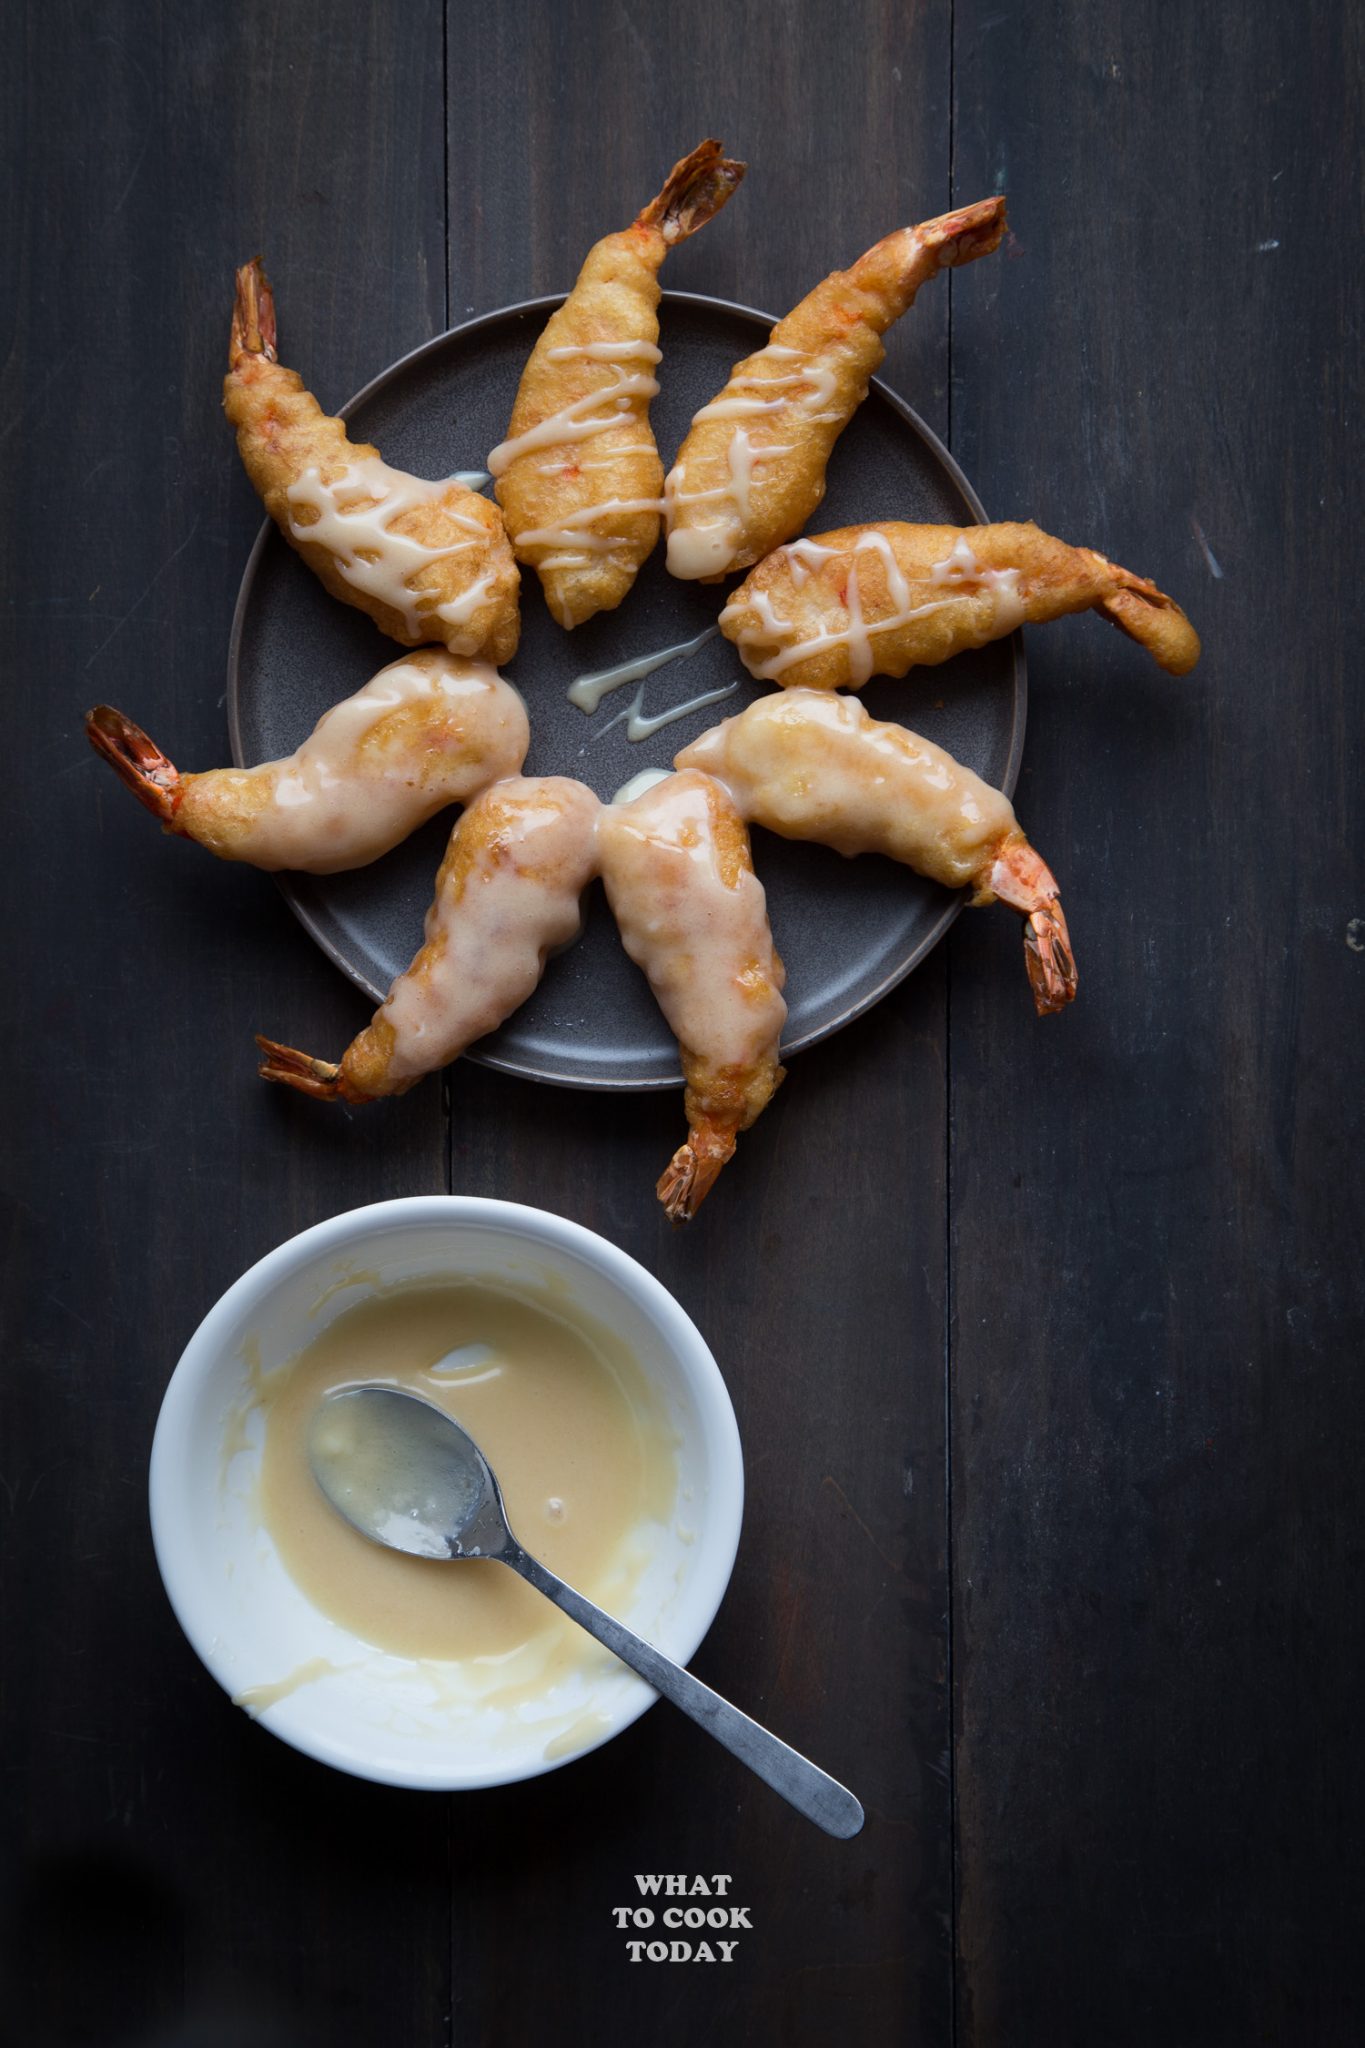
1010	607
702	549
704	543
803	556
607	352
648	778
353	519
638	727
573	536
588	691
695	552
576	421
472	479
745	408
818	377
960	566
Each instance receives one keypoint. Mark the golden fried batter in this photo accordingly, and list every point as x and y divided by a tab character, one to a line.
426	561
579	478
752	469
828	612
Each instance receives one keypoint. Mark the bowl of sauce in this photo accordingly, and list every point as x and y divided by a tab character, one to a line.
596	1401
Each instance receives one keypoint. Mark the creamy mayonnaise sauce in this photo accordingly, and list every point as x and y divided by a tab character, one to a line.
640	727
570	1424
648	778
352	517
588	691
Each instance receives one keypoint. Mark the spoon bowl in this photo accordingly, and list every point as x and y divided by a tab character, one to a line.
406	1474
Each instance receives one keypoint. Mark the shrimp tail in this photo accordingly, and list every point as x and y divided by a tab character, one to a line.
693	1170
137	761
320	1078
694	191
253	316
965	234
1148	616
1020	877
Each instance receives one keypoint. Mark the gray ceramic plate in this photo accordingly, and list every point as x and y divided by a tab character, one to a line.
848	930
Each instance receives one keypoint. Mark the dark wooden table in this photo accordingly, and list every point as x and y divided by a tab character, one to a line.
1045	1340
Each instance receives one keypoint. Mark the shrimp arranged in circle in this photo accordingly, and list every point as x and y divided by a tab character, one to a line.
579	478
425	732
829	612
752	469
508	894
692	913
810	764
426	561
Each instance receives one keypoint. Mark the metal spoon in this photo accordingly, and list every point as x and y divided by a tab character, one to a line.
405	1474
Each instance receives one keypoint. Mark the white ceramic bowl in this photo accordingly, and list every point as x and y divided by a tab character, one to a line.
364	1711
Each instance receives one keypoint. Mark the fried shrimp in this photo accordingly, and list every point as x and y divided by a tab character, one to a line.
752	469
809	764
508	894
579	479
426	561
425	732
692	913
828	612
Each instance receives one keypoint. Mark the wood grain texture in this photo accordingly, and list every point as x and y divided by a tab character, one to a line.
1158	1424
175	1868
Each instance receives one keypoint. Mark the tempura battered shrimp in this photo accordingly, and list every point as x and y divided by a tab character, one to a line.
828	612
812	765
425	732
680	881
507	895
426	561
579	478
752	469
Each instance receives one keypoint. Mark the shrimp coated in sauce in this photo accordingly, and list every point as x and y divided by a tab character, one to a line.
692	913
830	611
508	894
579	478
809	764
752	469
427	731
426	561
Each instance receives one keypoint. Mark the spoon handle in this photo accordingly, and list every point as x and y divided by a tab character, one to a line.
810	1790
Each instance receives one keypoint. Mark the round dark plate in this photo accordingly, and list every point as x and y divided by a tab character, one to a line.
847	930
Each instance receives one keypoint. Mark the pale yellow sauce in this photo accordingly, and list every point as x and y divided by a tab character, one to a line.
567	1419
